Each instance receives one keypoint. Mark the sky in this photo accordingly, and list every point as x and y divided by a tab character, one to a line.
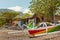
16	5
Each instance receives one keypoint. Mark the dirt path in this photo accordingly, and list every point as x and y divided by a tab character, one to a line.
23	36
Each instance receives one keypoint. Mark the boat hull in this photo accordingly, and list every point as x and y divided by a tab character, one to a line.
39	31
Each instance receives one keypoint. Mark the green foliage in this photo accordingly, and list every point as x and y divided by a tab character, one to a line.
10	14
2	22
7	17
45	8
26	15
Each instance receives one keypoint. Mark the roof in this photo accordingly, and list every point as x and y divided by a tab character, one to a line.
23	16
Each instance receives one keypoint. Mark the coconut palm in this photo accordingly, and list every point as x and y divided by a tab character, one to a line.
45	8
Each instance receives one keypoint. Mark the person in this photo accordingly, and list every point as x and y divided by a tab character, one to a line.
24	26
30	25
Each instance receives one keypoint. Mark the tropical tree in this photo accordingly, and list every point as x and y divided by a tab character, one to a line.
45	8
8	16
36	8
26	15
1	19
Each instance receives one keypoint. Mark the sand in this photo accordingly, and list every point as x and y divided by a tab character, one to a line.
6	35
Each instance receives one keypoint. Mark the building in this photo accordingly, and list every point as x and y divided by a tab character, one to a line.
37	19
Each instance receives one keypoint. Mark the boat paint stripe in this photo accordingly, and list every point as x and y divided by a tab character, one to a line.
48	33
35	31
40	32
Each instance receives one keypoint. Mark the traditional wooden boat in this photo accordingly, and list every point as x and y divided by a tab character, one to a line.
43	28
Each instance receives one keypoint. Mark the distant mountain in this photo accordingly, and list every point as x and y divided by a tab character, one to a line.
6	10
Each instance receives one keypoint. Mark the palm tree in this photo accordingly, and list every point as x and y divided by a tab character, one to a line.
45	8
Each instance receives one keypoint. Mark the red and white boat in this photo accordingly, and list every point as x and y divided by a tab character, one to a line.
43	28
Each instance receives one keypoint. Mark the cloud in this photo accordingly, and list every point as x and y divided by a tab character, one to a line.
16	8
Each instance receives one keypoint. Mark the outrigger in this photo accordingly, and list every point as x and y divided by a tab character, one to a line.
42	29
